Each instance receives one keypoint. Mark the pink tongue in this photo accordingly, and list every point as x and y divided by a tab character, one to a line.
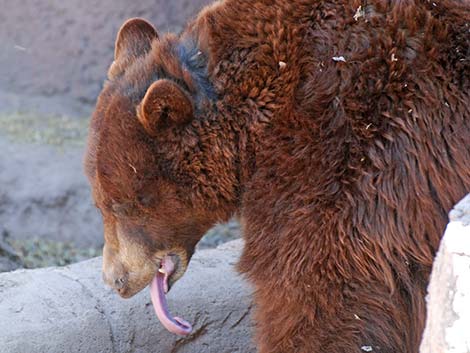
157	293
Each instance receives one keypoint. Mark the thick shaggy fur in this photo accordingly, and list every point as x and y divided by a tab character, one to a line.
337	130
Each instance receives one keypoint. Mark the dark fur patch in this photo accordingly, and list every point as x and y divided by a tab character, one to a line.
195	61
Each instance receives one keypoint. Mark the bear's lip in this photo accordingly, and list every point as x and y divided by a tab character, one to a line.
158	288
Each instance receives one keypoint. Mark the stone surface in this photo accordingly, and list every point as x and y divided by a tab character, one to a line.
448	321
69	310
461	211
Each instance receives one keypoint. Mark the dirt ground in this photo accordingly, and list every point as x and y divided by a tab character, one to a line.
53	61
61	49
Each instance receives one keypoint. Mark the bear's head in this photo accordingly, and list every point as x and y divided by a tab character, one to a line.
160	174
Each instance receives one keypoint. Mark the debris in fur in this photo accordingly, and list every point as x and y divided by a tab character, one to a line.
359	13
339	58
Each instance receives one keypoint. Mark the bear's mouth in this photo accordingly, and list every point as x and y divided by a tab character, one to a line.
158	289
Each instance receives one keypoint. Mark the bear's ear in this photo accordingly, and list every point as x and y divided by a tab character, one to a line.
134	39
164	104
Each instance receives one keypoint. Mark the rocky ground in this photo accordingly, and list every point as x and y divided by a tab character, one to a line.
46	213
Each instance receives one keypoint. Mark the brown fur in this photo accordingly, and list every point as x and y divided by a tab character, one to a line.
342	172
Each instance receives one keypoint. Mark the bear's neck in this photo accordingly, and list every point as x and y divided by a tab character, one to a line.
223	149
231	117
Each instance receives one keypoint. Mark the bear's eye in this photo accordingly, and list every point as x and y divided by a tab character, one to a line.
145	201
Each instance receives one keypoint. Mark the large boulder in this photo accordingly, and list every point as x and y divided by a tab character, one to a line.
448	320
56	310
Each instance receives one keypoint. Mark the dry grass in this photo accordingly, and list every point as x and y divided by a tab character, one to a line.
34	253
51	130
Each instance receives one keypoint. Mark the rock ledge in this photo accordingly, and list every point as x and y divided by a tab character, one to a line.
68	309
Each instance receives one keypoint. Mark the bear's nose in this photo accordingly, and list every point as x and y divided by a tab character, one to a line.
118	281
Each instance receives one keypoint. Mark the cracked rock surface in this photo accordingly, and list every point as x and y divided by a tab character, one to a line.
448	319
69	310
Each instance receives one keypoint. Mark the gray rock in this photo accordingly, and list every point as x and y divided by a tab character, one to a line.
461	211
448	316
69	310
